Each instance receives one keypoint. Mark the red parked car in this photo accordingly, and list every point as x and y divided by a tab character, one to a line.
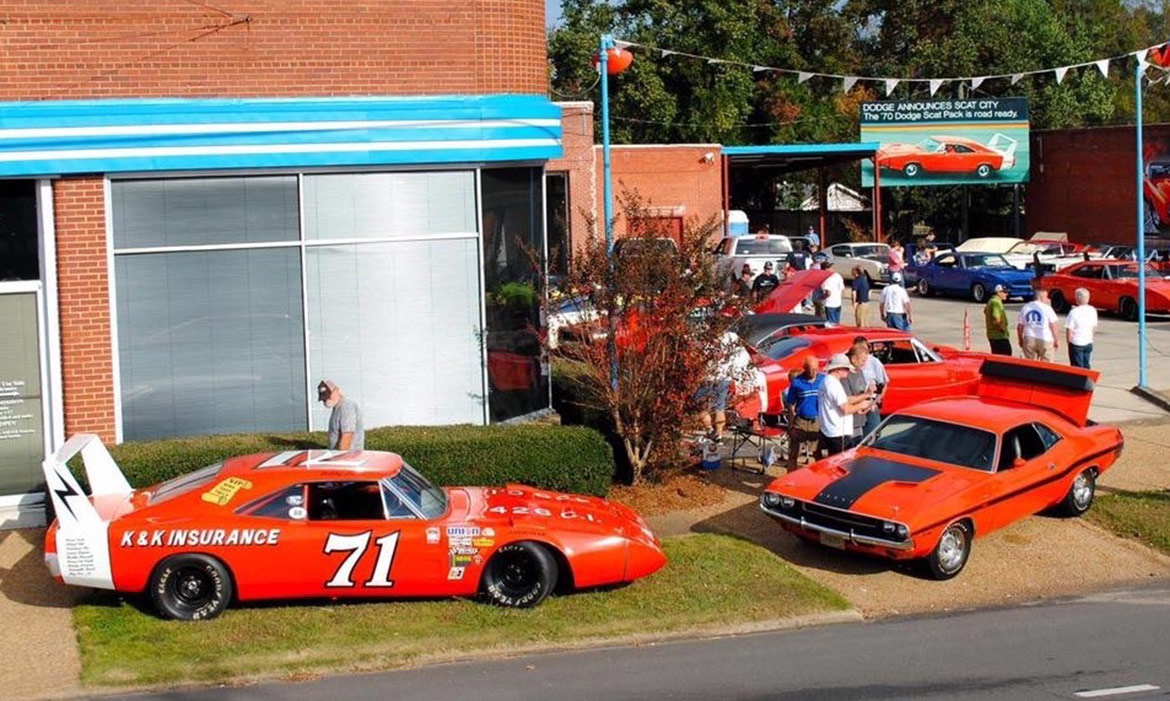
917	371
949	154
1112	286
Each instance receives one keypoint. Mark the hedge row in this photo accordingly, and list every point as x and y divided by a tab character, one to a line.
563	458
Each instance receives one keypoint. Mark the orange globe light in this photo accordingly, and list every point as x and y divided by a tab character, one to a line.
616	60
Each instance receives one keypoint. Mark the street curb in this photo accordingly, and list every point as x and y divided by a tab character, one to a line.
1154	397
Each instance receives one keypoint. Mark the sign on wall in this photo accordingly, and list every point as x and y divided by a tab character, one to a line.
981	141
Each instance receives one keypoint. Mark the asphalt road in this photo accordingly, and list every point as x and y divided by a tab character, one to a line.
1095	647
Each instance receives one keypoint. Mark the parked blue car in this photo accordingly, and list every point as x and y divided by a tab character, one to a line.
972	274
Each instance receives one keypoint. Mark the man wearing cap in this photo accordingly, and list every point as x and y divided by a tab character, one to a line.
742	286
996	321
765	282
834	406
832	294
346	431
894	304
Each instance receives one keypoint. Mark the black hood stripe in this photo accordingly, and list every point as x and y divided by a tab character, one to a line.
865	473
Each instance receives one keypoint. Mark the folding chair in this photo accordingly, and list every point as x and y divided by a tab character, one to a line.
767	431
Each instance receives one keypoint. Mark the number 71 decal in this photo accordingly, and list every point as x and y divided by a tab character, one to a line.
356	546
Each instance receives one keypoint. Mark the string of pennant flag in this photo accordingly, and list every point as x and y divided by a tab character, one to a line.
1156	56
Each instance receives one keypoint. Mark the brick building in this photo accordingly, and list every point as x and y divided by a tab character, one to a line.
203	212
1084	182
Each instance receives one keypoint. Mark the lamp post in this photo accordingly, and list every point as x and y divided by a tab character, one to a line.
1141	224
610	60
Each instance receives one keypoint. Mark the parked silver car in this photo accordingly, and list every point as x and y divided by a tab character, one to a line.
872	258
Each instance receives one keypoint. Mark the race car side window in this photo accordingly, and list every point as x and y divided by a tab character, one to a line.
1089	271
345	501
1022	442
1047	435
288	503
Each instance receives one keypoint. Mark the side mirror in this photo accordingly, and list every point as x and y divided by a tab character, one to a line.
1018	462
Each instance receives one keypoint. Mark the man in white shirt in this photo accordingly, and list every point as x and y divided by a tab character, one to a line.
833	292
834	406
894	304
1079	328
1036	329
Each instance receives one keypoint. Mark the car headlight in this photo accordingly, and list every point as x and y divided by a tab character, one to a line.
770	499
787	502
895	529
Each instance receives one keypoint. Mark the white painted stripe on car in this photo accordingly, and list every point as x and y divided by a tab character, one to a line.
1115	691
280	458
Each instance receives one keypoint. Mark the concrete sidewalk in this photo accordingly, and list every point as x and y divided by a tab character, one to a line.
1115	355
38	646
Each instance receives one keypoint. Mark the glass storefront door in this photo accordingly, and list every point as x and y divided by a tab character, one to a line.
22	415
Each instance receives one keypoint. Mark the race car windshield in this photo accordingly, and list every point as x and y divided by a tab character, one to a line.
1130	271
936	440
429	500
757	247
990	260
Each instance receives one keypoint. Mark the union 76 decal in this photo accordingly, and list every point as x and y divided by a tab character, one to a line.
356	546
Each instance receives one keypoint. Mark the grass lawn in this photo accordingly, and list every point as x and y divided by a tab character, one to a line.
710	580
1141	515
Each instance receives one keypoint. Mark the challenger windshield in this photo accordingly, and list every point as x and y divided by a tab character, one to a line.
936	440
987	260
430	501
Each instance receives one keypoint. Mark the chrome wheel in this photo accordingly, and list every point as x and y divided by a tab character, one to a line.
952	549
1082	491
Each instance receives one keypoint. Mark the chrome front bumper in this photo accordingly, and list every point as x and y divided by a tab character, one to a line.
849	537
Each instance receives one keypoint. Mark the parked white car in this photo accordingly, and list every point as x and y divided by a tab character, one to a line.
1021	253
872	258
733	251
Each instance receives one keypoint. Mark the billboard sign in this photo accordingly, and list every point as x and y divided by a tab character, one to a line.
980	141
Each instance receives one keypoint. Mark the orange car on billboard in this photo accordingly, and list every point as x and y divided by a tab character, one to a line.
949	154
936	475
327	524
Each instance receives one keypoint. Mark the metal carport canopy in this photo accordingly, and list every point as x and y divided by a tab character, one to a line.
789	158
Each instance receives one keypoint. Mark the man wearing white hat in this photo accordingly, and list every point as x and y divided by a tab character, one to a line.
834	406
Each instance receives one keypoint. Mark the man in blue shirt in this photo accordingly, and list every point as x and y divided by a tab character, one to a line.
813	237
800	402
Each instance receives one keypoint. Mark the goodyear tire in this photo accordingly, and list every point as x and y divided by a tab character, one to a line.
191	587
979	292
519	575
1059	303
1080	494
911	170
951	552
983	170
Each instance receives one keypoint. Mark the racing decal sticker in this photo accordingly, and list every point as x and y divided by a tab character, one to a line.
432	535
866	473
356	545
483	542
456	573
187	537
223	492
297	513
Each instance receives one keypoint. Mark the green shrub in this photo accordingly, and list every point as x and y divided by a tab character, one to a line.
564	458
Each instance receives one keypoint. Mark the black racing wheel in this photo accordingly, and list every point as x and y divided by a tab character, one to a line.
519	575
191	587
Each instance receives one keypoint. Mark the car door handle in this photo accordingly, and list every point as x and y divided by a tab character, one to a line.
1051	466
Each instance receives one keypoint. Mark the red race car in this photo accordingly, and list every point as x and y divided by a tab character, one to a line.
1112	286
311	524
917	371
949	154
934	476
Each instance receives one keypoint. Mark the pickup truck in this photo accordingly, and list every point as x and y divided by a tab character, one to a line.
733	251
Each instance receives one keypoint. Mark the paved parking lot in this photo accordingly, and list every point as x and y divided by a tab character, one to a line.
1115	354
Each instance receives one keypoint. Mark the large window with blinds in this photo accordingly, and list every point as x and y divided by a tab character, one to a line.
236	295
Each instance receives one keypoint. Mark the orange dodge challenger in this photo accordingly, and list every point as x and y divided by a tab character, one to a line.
327	524
935	475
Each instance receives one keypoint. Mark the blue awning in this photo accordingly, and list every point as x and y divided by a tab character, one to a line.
110	136
794	157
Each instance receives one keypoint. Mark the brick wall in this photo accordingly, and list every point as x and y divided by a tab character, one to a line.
1083	181
141	48
670	176
581	168
84	303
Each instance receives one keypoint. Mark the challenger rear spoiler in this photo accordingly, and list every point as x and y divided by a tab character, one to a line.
1066	390
83	552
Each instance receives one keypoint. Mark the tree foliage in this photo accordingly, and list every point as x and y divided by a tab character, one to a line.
667	308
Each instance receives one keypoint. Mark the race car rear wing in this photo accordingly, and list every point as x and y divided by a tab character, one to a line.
83	553
1066	390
